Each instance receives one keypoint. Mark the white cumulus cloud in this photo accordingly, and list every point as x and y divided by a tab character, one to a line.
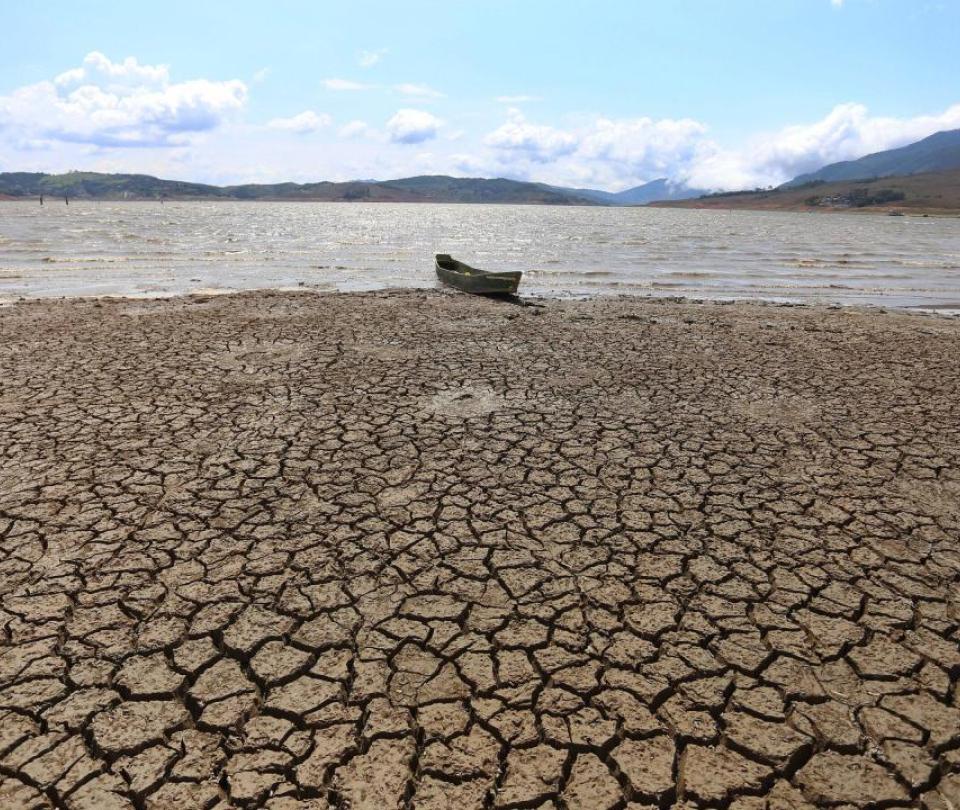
846	133
618	153
605	152
113	76
107	103
412	126
642	146
305	122
538	143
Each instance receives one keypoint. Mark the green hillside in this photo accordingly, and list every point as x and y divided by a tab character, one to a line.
940	152
434	188
930	193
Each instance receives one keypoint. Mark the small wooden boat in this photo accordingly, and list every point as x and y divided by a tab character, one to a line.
469	279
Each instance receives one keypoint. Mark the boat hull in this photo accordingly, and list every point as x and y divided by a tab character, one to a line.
470	280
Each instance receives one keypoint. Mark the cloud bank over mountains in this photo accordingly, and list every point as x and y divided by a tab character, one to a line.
682	149
847	132
129	116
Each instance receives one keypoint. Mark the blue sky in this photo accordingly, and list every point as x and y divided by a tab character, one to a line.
608	93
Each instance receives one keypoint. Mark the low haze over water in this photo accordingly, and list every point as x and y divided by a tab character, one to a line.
138	248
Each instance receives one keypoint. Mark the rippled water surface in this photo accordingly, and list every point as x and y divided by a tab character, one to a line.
134	248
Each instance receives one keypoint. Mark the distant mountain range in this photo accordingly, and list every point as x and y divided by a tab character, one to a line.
662	189
938	153
929	193
92	185
923	177
427	188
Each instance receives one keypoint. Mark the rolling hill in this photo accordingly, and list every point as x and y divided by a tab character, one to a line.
940	152
424	188
436	188
440	188
933	192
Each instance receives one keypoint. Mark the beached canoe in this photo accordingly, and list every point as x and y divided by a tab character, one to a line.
469	279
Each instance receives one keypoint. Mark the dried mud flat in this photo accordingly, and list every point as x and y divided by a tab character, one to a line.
420	550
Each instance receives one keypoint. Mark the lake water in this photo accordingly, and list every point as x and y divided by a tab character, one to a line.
136	248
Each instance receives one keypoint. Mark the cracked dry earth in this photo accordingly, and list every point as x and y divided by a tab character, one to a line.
424	551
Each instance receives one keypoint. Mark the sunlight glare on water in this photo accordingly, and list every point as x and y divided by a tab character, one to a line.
144	248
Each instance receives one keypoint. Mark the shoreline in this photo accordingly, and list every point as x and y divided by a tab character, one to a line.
915	212
680	205
947	311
